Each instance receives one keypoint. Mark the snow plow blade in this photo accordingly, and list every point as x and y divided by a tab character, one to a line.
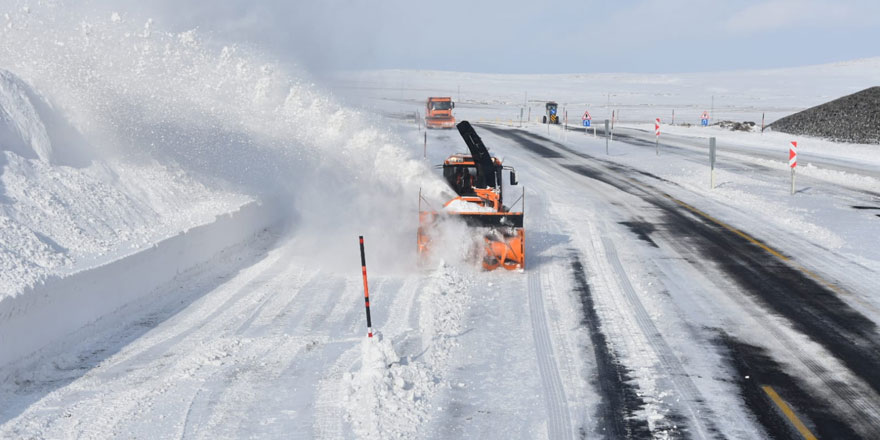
440	122
502	233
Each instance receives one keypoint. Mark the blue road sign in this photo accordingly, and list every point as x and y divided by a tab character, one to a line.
586	122
704	122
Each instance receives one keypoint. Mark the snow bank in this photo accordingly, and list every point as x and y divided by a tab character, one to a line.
21	127
31	127
224	113
62	211
389	396
458	205
138	133
58	219
386	398
61	305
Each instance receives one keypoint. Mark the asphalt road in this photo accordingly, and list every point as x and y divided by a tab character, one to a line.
815	398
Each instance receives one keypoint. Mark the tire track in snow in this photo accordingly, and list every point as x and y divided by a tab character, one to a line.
676	373
94	405
758	275
620	399
559	419
329	413
199	318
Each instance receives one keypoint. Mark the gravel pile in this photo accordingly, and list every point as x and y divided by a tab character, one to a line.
736	126
854	118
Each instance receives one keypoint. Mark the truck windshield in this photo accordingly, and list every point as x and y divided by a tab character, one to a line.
441	105
461	178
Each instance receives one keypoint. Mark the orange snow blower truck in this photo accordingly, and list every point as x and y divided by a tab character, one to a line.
438	112
476	179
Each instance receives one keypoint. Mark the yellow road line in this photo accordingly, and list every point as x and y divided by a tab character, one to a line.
729	228
788	413
766	248
742	234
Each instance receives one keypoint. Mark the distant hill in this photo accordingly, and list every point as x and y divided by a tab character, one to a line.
853	118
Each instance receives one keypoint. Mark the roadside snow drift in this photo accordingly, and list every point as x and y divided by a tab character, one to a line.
221	113
116	136
62	212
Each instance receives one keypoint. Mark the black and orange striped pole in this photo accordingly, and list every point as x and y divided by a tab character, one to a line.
366	289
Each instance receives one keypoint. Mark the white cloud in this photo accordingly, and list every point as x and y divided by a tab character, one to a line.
776	15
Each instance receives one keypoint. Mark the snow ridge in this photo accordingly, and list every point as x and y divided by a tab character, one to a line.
21	127
390	396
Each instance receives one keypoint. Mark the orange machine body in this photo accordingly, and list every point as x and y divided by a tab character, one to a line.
438	112
501	229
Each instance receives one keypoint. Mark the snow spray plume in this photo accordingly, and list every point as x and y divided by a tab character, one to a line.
225	115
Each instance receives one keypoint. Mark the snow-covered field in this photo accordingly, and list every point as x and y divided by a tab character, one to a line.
179	257
738	95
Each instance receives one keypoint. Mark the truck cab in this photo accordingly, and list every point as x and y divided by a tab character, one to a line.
438	112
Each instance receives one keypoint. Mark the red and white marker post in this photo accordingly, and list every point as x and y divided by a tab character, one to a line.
792	162
587	117
657	134
366	289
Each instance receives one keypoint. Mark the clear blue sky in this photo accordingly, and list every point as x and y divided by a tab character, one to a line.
565	36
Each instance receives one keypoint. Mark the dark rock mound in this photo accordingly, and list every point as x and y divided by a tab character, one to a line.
736	126
854	118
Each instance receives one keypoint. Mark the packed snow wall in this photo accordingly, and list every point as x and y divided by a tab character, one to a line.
63	211
58	306
153	121
224	113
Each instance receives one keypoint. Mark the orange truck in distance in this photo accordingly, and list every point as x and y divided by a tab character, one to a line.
438	112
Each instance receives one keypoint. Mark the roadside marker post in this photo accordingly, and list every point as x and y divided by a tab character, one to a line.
607	132
792	162
673	116
520	117
712	162
425	151
548	123
366	289
762	123
611	133
565	124
657	135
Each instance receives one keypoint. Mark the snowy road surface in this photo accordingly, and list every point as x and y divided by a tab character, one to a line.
640	315
725	291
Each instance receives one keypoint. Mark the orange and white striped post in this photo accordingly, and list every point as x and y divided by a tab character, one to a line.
366	289
657	135
792	162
